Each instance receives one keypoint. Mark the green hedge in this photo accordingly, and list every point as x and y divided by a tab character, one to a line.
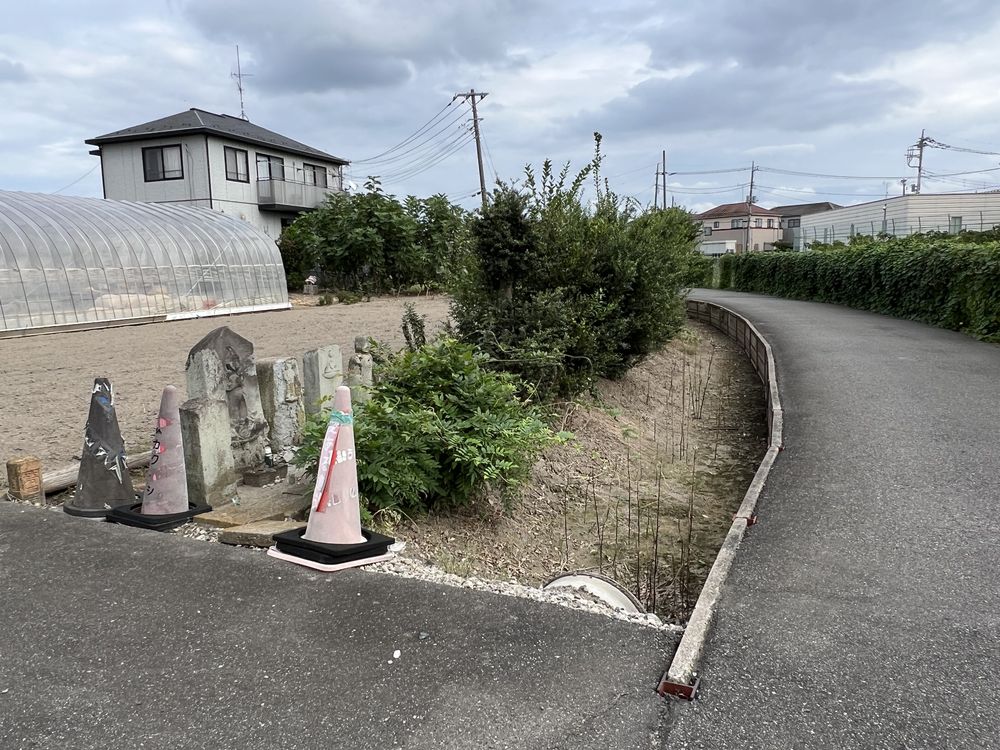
947	281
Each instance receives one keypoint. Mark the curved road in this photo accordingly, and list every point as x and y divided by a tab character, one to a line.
863	611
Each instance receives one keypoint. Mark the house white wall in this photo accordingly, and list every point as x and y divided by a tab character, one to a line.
205	182
903	215
121	167
761	238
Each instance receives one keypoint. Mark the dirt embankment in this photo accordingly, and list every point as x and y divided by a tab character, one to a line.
645	491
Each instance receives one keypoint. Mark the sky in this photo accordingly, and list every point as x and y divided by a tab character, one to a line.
793	86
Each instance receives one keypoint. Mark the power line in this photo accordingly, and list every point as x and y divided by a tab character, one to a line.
413	135
447	151
85	174
439	129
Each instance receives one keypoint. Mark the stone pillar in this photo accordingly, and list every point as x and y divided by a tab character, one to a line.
24	479
281	398
322	373
222	365
208	452
359	370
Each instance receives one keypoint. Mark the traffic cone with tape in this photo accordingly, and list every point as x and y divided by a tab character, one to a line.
164	504
103	481
333	538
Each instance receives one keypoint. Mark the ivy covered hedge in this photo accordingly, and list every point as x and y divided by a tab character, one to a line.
951	281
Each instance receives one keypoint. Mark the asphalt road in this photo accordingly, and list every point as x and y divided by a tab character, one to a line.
863	611
111	637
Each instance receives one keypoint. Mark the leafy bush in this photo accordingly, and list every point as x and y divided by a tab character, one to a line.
439	431
952	281
560	292
370	242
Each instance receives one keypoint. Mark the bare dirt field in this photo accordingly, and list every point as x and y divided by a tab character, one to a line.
47	379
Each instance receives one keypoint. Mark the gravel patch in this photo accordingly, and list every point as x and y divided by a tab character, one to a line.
565	597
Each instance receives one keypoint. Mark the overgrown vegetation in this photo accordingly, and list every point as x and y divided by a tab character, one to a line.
952	281
371	242
560	292
440	430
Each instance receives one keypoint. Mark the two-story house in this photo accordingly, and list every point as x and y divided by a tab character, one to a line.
221	162
791	220
737	227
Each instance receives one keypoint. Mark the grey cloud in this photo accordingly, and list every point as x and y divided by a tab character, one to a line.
12	71
319	46
720	99
847	35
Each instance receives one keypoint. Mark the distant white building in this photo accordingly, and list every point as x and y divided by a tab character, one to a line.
198	158
902	215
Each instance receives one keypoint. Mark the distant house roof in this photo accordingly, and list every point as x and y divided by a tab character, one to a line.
736	209
199	121
804	209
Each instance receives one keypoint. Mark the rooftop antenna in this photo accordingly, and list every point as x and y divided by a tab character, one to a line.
238	76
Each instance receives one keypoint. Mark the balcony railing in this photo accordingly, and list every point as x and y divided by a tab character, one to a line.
291	195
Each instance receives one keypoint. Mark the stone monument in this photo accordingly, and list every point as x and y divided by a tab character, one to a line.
221	367
359	370
322	374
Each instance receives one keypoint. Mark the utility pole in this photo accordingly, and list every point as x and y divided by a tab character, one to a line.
916	151
472	96
664	179
753	171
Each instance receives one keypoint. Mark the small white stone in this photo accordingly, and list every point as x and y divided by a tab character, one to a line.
396	654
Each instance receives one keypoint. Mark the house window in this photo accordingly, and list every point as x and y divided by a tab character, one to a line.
237	165
313	174
734	224
770	223
955	224
715	225
162	163
757	222
270	167
707	231
793	223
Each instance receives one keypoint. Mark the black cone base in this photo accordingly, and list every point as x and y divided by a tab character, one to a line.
292	543
85	512
132	515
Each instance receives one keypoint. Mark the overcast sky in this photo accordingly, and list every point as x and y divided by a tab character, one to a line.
797	85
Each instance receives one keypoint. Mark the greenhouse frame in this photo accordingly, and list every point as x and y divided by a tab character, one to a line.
68	262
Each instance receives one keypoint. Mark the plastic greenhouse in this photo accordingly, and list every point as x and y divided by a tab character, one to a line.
67	261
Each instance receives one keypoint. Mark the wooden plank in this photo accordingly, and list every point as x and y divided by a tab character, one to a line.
258	533
271	503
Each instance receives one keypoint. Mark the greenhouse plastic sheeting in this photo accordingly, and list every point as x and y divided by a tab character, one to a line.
67	261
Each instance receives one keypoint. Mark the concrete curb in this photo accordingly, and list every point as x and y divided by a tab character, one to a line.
681	678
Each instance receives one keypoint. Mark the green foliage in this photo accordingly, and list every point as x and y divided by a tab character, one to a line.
370	242
560	292
952	281
439	431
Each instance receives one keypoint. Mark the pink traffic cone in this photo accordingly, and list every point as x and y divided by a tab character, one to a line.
335	517
166	477
165	503
333	539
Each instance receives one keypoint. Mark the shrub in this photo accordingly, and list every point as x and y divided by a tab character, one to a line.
560	292
439	431
952	281
370	242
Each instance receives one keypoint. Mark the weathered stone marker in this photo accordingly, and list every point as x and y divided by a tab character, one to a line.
281	399
221	366
166	477
208	453
104	480
24	479
322	374
359	369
